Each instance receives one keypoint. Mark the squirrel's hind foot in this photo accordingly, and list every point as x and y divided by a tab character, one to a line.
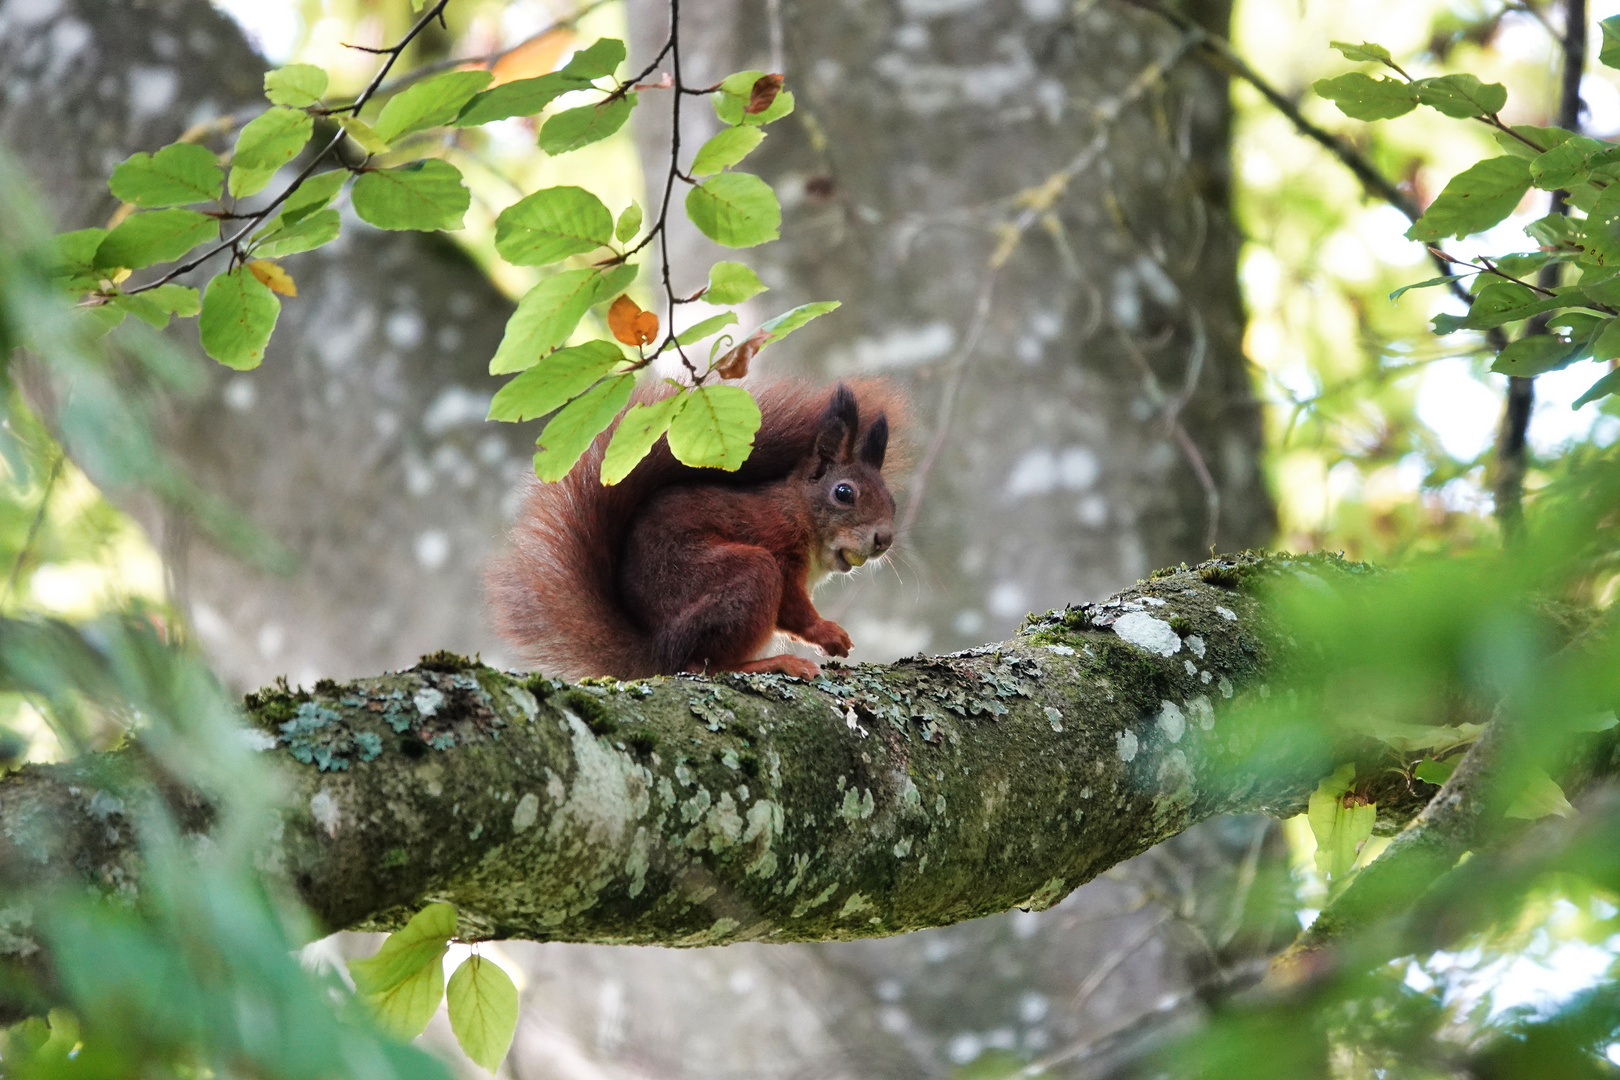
785	664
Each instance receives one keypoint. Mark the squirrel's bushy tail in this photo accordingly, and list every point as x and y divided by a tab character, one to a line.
554	592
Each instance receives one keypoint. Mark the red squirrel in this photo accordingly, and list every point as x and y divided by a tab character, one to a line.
676	569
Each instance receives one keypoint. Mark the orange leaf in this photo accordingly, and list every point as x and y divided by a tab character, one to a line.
734	364
273	277
766	87
630	324
534	57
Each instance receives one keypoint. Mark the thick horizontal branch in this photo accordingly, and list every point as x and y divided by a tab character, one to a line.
695	811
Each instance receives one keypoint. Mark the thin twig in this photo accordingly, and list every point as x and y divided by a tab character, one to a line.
33	528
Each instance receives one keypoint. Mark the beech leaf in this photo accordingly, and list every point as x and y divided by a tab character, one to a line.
556	379
178	174
568	433
636	433
716	428
630	324
423	195
483	1008
737	210
552	224
238	315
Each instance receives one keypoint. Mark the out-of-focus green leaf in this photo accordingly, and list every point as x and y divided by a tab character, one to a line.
178	174
737	210
1476	198
636	433
154	236
552	224
483	1006
573	128
1340	830
418	944
155	306
555	380
1363	97
1564	163
597	61
296	85
569	433
1431	771
423	195
715	429
1540	797
629	223
312	195
363	135
1609	52
1426	283
238	315
1605	386
1363	52
431	103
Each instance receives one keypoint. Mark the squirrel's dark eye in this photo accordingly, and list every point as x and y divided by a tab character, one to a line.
845	494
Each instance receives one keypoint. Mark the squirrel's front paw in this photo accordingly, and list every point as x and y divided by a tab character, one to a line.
830	638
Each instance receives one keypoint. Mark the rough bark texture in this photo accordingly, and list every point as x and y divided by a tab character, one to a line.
687	811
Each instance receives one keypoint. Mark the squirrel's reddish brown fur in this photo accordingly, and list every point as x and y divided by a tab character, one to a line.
680	569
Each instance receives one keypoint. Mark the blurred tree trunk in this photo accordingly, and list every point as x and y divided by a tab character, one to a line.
926	130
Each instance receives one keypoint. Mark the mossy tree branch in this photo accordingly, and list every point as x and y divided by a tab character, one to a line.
694	811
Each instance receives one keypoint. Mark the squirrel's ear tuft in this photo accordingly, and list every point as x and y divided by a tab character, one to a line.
835	438
876	442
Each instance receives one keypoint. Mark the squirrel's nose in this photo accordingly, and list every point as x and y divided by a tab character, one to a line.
881	542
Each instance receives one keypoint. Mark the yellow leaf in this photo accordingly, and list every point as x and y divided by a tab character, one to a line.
273	277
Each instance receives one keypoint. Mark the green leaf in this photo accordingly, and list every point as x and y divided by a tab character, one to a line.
1580	324
629	223
154	236
727	148
416	945
238	314
1475	199
312	195
602	58
1340	830
789	321
715	429
178	174
1522	264
732	99
296	85
636	433
1533	355
431	103
404	1009
1606	345
155	306
1605	386
1507	301
1564	164
1362	97
277	240
423	195
570	432
552	224
574	128
1435	772
1554	230
483	1006
1540	797
267	142
521	97
1461	95
548	313
1446	280
1544	138
1365	51
364	137
735	209
731	283
711	325
1598	237
555	380
73	259
1609	53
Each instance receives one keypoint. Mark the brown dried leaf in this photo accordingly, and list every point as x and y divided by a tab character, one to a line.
534	57
766	87
630	324
734	364
273	277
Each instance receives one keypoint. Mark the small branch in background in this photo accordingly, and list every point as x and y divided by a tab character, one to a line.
1512	456
33	529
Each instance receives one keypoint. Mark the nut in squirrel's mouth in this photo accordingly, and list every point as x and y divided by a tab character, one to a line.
848	559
